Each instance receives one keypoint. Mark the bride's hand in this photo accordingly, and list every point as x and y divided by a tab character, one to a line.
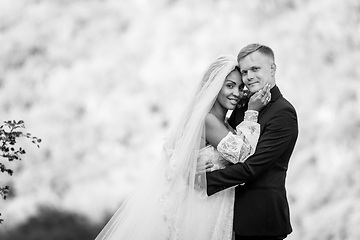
201	167
260	99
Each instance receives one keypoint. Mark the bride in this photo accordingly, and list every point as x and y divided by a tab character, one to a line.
171	203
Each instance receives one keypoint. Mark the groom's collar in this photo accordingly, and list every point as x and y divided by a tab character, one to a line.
275	94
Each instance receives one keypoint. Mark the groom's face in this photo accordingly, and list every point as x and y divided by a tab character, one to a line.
256	70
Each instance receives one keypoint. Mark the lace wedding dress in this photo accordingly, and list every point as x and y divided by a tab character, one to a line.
160	212
234	148
171	203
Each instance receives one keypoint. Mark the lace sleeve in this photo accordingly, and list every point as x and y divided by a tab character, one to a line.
238	147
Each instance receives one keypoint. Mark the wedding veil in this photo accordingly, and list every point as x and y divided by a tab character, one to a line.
169	204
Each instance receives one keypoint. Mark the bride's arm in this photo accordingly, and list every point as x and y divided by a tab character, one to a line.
238	147
215	130
234	147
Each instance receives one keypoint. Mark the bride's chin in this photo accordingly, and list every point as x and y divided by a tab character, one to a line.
232	107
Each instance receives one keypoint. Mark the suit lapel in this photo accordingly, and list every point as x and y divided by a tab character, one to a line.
275	94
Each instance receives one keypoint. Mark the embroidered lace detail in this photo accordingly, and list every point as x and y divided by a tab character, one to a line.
221	204
238	147
169	219
210	153
170	170
219	211
232	149
251	116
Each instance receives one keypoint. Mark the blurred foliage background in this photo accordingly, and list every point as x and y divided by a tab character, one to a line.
101	80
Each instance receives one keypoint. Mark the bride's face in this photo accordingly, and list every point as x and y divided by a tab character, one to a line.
229	94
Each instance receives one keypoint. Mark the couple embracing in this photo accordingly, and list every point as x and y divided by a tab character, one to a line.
219	178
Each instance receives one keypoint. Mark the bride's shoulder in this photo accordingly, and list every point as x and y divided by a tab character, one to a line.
211	121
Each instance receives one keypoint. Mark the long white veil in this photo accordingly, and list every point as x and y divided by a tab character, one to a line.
168	204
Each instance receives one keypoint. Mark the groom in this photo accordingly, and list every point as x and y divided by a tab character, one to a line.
261	208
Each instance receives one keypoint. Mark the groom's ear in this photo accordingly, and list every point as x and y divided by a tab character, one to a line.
273	69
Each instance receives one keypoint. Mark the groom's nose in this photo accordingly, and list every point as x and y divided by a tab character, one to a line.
250	75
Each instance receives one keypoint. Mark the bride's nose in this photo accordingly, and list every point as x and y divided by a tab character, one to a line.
236	92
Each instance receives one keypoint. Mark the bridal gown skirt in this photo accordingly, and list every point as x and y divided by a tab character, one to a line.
149	214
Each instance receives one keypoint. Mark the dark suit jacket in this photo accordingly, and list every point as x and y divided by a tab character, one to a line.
261	206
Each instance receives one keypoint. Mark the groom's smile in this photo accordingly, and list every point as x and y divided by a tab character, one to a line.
257	69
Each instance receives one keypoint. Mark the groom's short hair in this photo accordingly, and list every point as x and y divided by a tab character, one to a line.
253	47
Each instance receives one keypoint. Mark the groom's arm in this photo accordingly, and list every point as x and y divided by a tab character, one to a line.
279	132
